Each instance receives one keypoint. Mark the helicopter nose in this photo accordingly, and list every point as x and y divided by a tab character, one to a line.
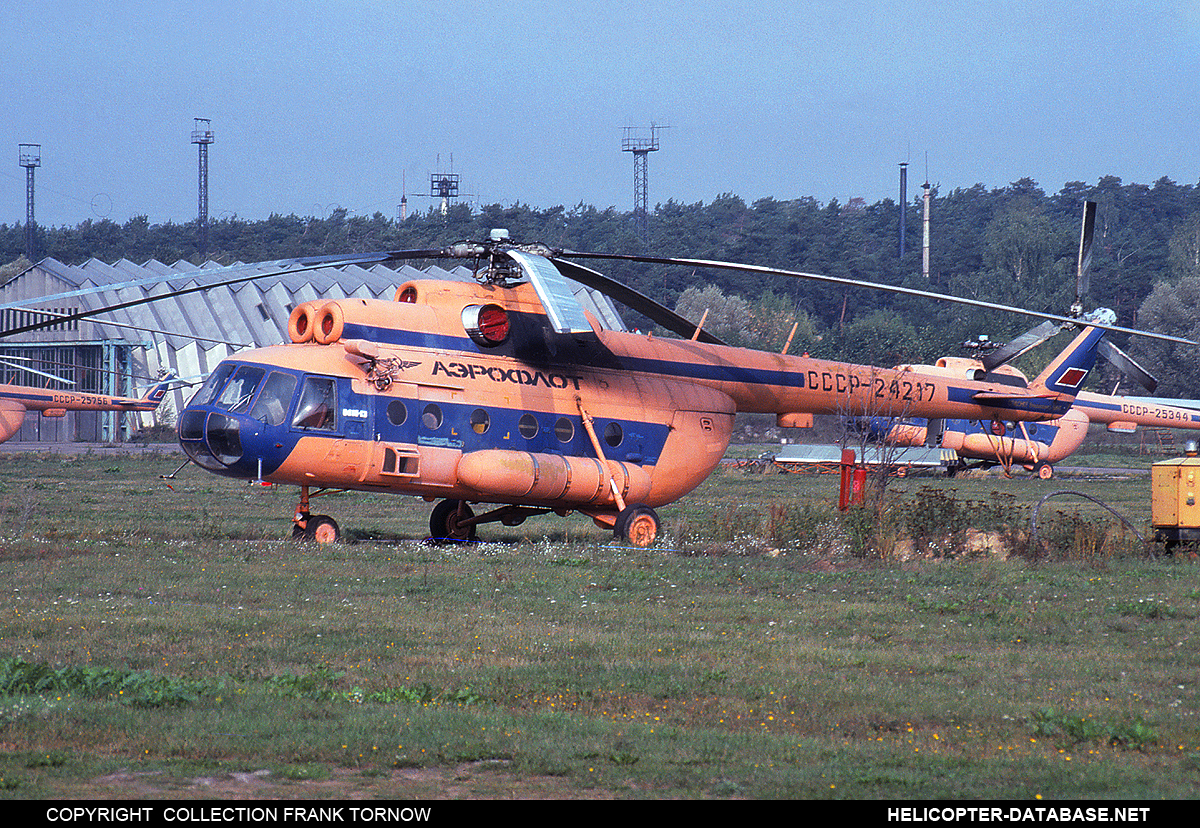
214	439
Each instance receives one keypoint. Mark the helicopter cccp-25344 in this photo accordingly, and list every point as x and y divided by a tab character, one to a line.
508	391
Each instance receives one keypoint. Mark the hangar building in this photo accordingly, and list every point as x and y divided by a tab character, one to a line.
123	351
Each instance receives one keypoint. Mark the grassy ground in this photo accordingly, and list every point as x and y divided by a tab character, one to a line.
161	639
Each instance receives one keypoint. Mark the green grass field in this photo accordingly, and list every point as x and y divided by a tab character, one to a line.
161	638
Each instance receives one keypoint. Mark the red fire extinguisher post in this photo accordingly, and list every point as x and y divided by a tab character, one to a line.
848	463
854	482
858	494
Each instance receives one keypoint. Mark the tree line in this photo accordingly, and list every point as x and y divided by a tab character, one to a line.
1013	245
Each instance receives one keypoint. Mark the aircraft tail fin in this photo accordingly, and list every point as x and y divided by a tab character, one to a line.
1068	371
1062	379
159	390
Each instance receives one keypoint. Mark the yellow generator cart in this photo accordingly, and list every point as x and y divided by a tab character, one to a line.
1174	505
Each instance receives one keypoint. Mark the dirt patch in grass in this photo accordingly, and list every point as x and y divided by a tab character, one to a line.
470	780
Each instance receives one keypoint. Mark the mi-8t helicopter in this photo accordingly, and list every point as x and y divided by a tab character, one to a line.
520	391
1036	446
17	400
524	389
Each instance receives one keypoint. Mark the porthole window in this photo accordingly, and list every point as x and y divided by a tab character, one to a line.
480	421
397	412
564	430
527	426
613	434
431	417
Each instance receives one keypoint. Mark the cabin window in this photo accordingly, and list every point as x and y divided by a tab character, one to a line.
527	426
613	434
273	401
564	430
480	421
238	392
397	412
317	408
431	417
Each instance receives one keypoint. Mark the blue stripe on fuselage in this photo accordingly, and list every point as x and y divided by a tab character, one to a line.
685	370
1039	405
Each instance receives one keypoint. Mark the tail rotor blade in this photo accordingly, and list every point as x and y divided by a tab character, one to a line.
1127	366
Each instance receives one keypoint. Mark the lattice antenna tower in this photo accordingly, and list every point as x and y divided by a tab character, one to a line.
202	136
636	142
31	158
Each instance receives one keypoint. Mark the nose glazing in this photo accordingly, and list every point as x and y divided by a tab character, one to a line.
210	438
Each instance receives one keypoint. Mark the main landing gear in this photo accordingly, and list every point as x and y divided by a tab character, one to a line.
453	521
637	524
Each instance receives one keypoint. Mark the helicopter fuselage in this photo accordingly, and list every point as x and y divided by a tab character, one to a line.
412	396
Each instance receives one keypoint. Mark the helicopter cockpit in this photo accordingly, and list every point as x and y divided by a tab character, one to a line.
238	400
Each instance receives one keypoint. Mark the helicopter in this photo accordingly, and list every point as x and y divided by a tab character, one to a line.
519	391
17	400
522	388
1036	446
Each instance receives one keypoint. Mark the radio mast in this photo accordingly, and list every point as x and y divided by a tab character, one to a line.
202	136
31	158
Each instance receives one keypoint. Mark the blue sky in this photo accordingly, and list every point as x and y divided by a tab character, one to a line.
317	105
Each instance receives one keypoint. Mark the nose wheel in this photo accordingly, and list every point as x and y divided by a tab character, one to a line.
318	528
309	527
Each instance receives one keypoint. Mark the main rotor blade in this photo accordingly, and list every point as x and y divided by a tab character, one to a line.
32	370
1126	365
655	312
1086	231
275	268
1019	345
838	280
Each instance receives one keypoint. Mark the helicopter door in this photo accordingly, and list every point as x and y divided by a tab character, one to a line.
355	411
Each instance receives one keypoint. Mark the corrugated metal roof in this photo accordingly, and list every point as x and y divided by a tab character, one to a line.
254	313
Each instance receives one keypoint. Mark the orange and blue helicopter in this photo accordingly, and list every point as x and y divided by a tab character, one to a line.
17	400
1035	445
521	391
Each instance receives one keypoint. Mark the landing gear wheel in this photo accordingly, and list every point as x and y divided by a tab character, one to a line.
449	522
1044	470
319	528
324	529
637	524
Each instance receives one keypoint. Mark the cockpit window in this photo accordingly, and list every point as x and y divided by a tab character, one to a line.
212	386
239	391
316	408
273	401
